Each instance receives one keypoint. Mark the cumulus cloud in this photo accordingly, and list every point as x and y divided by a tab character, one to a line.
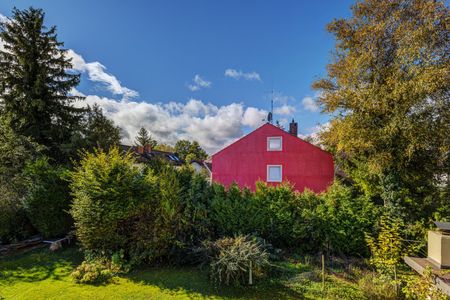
284	110
310	104
313	133
233	73
198	83
212	126
97	73
254	117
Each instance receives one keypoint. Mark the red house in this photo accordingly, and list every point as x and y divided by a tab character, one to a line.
273	155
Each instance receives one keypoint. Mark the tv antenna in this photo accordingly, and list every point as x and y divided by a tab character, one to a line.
270	115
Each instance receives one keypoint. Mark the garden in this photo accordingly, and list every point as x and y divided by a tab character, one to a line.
140	230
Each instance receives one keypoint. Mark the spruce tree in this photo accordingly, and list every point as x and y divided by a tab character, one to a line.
100	132
35	80
144	138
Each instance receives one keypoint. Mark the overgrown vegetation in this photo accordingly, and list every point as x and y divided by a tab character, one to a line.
237	260
388	92
48	198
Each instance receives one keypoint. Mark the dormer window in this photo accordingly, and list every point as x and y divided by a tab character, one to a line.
274	143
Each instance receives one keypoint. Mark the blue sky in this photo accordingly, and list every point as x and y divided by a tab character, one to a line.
197	69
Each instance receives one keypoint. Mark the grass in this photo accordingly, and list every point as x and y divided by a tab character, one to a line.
41	274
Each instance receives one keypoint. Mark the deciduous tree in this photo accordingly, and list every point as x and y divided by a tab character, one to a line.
388	91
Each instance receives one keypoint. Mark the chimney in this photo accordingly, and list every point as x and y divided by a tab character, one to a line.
140	149
293	128
148	148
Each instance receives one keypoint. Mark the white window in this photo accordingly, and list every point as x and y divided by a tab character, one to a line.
274	173
274	143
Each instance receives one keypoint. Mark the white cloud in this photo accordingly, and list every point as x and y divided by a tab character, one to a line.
310	104
314	132
280	98
3	18
212	126
97	72
77	93
233	73
198	83
284	110
254	117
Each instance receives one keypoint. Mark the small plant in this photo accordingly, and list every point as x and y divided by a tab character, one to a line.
386	249
376	287
92	272
423	287
237	260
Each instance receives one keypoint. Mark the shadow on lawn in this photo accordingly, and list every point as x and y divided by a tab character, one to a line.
39	264
193	281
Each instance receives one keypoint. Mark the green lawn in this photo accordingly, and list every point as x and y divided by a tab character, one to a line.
41	274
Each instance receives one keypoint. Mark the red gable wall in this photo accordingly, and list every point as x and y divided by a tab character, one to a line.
245	161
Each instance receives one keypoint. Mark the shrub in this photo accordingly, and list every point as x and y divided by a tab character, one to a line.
375	287
335	221
109	191
279	212
423	287
234	211
48	199
236	260
15	150
386	249
14	225
345	218
179	219
94	272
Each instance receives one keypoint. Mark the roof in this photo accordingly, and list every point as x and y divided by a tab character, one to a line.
152	154
278	128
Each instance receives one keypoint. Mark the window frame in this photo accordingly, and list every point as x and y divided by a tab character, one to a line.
274	137
281	173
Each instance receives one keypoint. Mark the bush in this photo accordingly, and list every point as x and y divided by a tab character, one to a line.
335	221
120	205
423	287
15	150
236	260
94	272
110	191
344	220
387	249
375	287
48	199
14	224
234	211
179	219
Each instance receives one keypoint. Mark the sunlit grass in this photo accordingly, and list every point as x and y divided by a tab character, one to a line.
42	274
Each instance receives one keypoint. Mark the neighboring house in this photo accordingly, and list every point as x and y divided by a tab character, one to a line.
273	155
145	154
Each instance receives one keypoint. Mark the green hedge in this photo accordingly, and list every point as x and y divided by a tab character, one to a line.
153	213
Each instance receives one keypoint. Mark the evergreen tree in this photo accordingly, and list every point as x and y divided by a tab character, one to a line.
144	138
35	82
388	90
100	132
